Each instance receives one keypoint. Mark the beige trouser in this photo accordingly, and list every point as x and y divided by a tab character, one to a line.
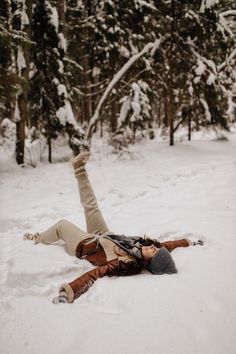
70	233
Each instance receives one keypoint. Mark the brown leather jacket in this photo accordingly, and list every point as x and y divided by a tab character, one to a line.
94	253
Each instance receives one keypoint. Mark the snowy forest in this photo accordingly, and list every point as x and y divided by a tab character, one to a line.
70	69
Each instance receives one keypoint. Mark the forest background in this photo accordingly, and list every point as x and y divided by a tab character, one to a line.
70	69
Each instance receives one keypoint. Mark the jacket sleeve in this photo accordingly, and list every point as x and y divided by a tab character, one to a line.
171	245
80	285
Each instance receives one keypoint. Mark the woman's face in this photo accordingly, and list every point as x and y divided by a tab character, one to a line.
149	251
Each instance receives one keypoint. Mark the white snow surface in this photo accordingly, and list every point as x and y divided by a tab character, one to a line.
188	190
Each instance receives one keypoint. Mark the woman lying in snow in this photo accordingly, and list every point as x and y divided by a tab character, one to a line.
111	254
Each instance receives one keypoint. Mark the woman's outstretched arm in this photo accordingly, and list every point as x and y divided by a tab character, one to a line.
185	242
80	285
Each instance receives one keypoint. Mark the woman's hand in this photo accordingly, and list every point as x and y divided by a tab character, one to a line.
198	242
62	298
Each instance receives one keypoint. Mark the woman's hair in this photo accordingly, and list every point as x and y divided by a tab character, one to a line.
130	268
135	266
147	241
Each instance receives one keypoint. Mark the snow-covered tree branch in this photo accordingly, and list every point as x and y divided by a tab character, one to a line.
150	47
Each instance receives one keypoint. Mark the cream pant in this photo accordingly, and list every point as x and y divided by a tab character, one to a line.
70	233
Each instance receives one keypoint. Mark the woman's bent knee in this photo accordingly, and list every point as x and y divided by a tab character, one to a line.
65	226
63	222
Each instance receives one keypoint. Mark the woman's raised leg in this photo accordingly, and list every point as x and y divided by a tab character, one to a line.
94	219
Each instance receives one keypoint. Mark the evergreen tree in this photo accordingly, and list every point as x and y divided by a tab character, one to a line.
53	112
186	64
61	55
13	41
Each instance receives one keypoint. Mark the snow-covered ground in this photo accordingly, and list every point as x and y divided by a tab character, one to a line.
166	192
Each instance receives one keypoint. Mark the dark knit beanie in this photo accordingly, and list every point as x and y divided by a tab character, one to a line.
162	263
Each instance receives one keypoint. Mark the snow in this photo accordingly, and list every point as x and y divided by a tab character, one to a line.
80	4
54	21
7	144
24	17
231	106
96	71
166	192
125	107
211	79
228	13
20	60
156	46
124	51
225	25
200	69
211	64
61	89
211	3
206	109
139	4
16	117
61	66
62	42
190	89
135	102
232	55
66	115
207	4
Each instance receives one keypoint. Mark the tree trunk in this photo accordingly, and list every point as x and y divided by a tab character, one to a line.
61	15
197	123
189	128
29	9
165	99
159	112
49	138
171	83
171	117
113	116
86	98
20	125
20	142
46	118
49	142
101	128
23	95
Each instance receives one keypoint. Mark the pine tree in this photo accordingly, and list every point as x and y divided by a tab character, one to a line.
135	114
118	33
13	40
6	77
22	22
53	112
188	81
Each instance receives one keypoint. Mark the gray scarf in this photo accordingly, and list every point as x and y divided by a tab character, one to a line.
130	244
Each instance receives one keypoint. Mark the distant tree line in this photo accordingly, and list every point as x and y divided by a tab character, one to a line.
169	63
